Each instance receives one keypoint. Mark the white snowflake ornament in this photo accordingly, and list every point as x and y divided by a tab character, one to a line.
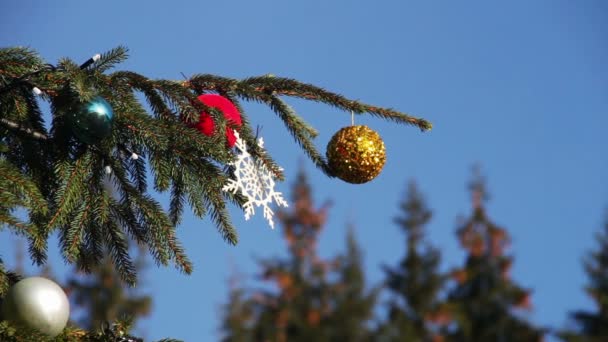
254	181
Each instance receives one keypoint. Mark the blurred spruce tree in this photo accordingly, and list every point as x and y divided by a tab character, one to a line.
593	326
313	299
486	304
415	312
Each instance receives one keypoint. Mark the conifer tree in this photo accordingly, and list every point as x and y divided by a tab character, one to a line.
56	175
484	299
313	299
101	297
238	315
593	326
414	285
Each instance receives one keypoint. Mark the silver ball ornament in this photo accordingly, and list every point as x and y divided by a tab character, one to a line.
39	304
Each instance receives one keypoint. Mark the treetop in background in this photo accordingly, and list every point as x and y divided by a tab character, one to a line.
87	177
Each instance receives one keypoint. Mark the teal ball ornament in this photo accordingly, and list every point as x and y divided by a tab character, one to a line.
92	121
37	303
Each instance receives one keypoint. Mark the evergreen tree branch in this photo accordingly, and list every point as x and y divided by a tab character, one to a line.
214	199
72	179
109	59
119	250
161	233
294	124
62	178
176	203
72	236
293	88
247	135
12	181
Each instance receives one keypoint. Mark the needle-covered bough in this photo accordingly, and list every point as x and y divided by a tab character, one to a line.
85	169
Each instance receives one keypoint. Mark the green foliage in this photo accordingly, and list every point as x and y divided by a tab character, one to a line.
313	299
414	285
97	299
102	297
59	181
484	300
118	333
593	326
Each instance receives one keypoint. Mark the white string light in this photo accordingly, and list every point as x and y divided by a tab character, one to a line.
90	61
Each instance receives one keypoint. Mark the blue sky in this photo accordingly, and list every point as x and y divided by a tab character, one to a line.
519	87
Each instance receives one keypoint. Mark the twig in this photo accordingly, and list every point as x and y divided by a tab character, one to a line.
18	127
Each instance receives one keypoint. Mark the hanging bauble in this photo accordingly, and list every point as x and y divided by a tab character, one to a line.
356	154
39	304
92	121
206	125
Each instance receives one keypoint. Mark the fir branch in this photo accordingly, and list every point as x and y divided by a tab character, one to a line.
293	88
176	203
257	86
72	236
147	212
123	213
12	179
71	186
18	60
183	99
293	124
38	243
119	251
110	58
137	170
194	190
142	129
162	170
220	215
68	174
211	188
144	85
160	233
207	82
91	250
21	228
247	135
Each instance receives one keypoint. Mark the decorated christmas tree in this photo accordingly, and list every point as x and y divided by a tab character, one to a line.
312	299
592	326
190	139
486	303
414	310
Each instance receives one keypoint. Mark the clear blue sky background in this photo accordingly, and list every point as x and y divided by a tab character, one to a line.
520	87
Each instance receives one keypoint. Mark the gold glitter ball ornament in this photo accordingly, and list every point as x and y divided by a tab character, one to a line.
356	154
